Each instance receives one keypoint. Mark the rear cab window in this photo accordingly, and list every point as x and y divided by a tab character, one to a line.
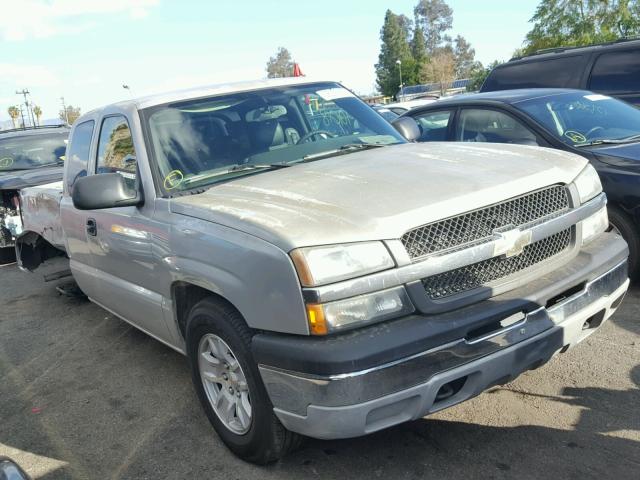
77	158
560	72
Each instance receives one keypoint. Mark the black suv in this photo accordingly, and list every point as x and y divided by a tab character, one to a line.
28	157
610	68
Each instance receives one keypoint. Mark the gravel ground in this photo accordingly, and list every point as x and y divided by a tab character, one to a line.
84	395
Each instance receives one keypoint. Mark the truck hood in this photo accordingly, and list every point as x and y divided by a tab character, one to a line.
377	194
18	179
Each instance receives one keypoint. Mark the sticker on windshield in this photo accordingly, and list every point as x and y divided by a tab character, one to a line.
575	137
6	162
596	97
173	179
334	93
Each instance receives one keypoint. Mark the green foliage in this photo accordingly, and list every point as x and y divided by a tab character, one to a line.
465	58
436	18
71	115
281	65
569	23
395	46
426	52
479	74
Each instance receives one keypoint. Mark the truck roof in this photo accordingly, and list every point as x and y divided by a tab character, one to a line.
214	89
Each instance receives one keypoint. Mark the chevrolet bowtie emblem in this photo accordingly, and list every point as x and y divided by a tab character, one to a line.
511	242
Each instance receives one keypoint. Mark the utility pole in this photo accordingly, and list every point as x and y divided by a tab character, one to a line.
24	93
399	63
64	109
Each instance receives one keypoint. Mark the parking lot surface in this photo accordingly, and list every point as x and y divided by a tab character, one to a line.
85	395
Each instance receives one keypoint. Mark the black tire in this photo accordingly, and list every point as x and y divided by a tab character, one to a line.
623	223
267	440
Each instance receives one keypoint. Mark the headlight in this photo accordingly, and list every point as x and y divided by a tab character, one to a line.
594	225
588	184
358	311
332	263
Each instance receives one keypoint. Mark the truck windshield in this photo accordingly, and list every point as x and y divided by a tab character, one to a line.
31	151
200	142
583	119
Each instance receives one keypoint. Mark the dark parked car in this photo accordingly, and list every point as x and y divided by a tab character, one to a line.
28	157
612	69
604	130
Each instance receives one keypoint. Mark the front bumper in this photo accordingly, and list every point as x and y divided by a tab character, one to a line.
358	402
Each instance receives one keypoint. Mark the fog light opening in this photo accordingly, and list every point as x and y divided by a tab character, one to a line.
449	389
594	321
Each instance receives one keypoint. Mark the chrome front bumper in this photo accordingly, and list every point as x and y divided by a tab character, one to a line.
361	402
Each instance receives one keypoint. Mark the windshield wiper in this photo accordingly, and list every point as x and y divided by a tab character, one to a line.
235	168
606	141
344	149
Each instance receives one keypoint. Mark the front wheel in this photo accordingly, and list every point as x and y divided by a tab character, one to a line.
229	386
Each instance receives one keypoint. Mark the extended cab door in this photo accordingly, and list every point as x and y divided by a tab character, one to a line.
122	269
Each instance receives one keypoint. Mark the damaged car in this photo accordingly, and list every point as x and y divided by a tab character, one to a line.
28	157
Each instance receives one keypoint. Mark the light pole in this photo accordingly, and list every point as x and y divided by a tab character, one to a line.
399	63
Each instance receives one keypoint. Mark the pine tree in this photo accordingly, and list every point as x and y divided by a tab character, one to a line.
419	52
395	46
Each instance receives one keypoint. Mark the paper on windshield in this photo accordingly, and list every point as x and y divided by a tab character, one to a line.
596	97
334	93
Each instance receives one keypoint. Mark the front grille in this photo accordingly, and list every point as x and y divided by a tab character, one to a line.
479	225
473	276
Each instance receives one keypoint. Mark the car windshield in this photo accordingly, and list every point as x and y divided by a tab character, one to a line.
583	119
197	143
31	151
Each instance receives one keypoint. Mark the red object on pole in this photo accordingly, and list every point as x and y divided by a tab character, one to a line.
296	71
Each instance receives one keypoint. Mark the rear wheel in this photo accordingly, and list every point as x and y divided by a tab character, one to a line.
229	386
622	224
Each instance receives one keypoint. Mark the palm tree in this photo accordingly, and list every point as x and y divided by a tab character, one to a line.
37	111
14	113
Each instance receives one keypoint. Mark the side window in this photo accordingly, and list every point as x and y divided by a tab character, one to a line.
433	125
562	72
616	72
485	125
115	149
77	158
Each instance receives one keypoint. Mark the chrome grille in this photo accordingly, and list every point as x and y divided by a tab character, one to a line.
472	276
479	225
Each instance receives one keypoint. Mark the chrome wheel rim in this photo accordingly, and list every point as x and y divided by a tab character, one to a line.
224	383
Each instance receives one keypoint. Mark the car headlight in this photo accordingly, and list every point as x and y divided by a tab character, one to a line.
588	184
332	263
358	311
594	225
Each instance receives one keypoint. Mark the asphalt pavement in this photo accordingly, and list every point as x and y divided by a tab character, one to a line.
84	395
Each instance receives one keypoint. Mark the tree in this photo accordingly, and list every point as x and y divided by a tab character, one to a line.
14	113
419	53
71	115
441	69
37	111
465	58
435	18
479	74
581	22
281	65
395	46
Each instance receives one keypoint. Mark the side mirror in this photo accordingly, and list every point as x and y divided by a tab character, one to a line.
407	127
105	190
11	470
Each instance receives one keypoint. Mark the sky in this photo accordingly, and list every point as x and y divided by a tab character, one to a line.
85	50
